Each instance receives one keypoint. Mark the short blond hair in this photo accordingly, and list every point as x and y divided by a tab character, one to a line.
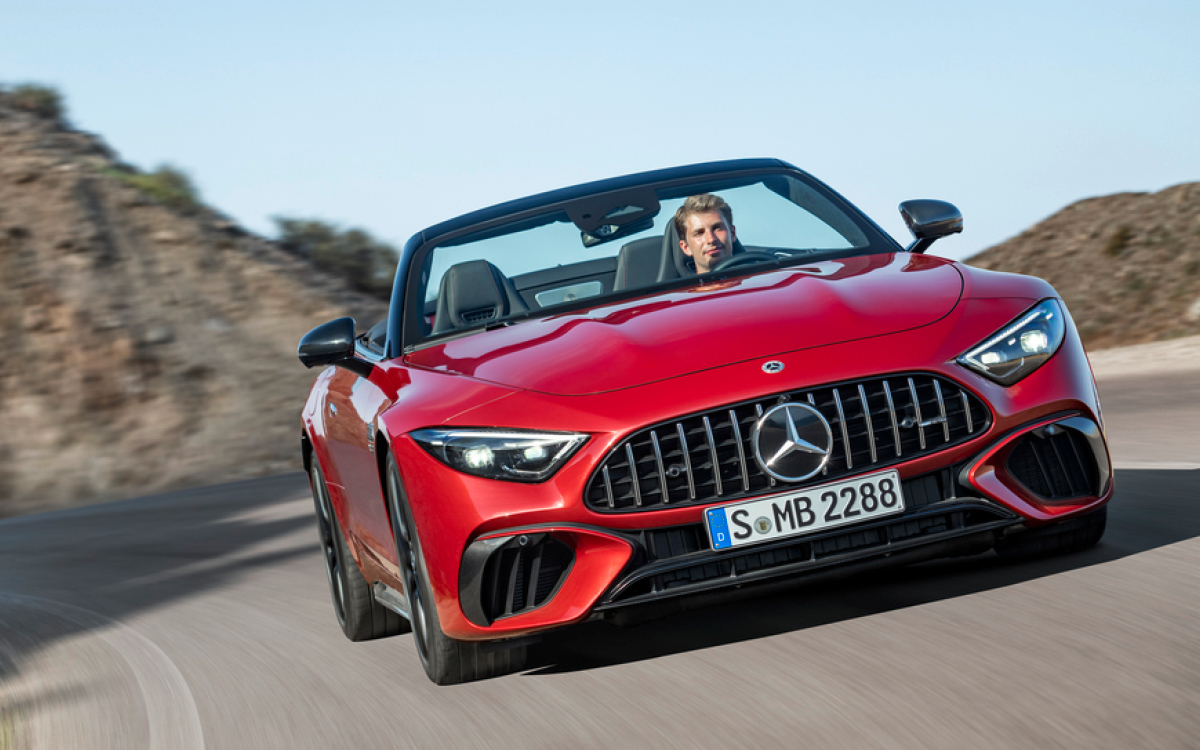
701	204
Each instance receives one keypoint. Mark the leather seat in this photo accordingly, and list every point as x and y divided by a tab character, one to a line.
637	263
475	292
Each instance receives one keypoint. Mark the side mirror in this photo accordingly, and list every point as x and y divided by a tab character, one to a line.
930	220
332	343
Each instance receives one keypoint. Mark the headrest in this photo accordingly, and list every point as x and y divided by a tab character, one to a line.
474	292
637	263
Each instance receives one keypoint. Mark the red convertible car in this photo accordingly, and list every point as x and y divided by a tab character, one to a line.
637	395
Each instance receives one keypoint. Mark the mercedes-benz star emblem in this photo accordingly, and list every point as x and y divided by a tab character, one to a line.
773	367
792	442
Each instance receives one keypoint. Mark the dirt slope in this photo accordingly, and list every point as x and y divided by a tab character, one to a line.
143	348
1128	265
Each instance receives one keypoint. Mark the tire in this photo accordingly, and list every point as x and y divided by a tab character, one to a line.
446	661
1069	536
359	615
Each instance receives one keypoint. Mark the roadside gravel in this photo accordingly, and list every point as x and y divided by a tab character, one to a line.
1157	358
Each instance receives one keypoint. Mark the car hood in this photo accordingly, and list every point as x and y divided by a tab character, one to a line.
632	342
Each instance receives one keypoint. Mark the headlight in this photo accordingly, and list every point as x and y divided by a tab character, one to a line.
513	455
1021	346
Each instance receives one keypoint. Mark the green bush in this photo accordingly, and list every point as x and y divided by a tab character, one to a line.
43	101
167	185
353	254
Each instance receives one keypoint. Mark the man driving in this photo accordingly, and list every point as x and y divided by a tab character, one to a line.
706	232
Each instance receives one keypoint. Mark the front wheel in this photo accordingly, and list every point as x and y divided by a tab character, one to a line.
359	615
446	661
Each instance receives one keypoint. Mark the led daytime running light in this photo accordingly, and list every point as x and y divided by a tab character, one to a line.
511	455
1020	347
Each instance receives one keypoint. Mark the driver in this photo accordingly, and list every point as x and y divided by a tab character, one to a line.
706	232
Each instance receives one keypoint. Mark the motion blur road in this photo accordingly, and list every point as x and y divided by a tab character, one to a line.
203	619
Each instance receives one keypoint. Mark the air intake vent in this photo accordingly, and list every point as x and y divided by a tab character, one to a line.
1054	464
520	577
478	315
704	457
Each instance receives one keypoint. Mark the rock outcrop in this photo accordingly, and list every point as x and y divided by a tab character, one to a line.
143	348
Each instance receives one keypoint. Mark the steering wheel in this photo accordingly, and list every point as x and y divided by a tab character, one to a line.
744	259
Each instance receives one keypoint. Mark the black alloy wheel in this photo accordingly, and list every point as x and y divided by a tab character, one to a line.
446	661
326	534
406	559
359	615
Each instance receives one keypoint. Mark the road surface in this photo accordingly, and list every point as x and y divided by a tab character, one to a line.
202	619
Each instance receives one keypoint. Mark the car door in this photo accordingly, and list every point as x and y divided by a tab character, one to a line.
352	405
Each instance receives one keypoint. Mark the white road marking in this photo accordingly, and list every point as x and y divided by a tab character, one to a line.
174	720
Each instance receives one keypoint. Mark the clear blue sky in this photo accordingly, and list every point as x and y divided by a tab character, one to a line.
393	116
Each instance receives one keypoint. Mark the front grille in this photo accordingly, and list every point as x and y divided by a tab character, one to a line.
708	456
1057	466
518	578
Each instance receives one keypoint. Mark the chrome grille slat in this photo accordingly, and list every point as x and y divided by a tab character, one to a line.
633	475
712	451
916	404
887	391
648	455
737	438
866	410
662	474
837	400
687	460
813	402
937	389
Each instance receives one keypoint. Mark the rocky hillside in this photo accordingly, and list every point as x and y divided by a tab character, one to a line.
1128	265
149	342
144	347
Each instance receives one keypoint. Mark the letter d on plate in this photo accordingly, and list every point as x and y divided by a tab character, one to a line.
718	528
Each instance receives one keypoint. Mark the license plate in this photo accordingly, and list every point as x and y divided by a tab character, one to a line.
803	512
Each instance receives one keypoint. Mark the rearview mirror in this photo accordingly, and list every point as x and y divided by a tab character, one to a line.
930	220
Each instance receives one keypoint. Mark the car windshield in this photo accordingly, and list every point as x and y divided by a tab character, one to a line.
627	243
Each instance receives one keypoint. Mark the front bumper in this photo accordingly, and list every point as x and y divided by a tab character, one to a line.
512	577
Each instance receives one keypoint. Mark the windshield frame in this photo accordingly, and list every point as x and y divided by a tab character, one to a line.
405	332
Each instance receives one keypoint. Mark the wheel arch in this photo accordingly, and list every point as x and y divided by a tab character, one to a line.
383	449
306	449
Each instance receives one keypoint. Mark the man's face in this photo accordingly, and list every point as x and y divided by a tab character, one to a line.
708	239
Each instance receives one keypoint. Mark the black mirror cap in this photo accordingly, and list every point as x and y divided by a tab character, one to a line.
328	343
930	220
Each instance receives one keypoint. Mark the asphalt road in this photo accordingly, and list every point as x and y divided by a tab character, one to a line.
202	619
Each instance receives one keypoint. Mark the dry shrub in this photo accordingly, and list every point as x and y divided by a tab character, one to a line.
43	101
353	254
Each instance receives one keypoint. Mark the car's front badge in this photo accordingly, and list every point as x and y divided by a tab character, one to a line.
772	367
792	442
